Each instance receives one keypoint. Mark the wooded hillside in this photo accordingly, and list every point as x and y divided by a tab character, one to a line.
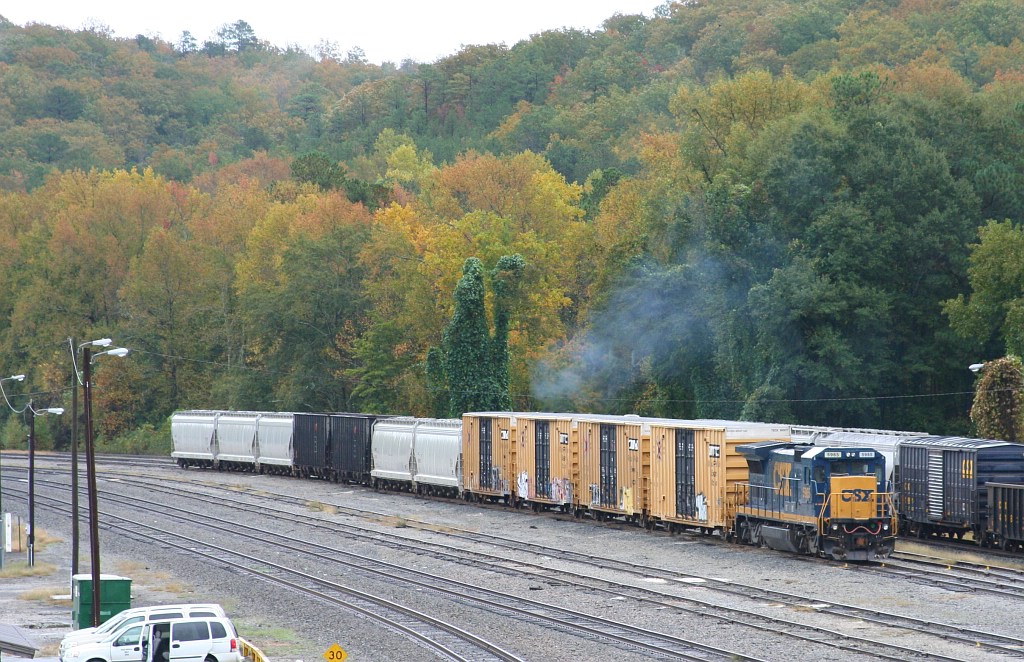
768	209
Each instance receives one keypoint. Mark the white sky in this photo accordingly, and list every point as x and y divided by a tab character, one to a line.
387	30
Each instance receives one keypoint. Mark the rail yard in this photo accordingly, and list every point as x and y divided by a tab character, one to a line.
377	572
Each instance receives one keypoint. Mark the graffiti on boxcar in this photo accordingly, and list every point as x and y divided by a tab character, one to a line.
523	484
702	508
561	490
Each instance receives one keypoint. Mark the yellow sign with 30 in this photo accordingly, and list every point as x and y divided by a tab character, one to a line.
335	654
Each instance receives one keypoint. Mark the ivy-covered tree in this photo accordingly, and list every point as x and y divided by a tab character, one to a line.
470	371
506	278
998	410
467	346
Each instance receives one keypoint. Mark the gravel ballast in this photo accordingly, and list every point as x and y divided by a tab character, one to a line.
291	626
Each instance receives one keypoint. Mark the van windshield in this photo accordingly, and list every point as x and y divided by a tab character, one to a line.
115	623
111	624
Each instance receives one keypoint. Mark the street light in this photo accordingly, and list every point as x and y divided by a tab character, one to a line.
3	530
90	465
32	475
975	367
76	381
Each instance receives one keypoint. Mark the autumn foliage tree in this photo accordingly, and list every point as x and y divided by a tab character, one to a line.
756	208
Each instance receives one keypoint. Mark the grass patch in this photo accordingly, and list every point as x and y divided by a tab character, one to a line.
22	569
45	595
159	580
133	569
275	642
19	539
396	521
45	538
320	507
141	574
178	588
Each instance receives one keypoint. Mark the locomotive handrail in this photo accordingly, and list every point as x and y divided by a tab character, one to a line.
773	507
883	510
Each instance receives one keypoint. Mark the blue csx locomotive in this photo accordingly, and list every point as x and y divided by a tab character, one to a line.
814	500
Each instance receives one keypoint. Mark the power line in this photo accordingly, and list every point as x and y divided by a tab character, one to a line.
355	380
607	399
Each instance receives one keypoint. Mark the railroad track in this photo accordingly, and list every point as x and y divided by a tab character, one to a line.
652	643
952	576
443	638
656	599
116	459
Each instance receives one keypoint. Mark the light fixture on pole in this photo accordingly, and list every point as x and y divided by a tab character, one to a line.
32	475
3	540
975	367
90	465
76	381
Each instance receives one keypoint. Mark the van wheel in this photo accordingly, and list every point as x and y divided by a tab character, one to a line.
210	658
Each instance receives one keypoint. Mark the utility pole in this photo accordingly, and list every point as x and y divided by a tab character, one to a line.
74	464
90	468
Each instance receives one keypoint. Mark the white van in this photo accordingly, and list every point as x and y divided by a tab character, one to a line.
185	640
138	615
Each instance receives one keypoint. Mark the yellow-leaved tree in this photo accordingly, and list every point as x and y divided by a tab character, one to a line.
482	206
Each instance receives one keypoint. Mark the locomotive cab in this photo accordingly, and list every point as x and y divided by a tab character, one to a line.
815	500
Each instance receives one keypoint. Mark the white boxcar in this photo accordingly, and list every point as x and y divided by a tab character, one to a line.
236	439
437	449
392	452
274	442
195	439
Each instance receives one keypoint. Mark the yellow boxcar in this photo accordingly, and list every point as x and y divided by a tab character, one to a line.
541	456
487	470
695	468
608	465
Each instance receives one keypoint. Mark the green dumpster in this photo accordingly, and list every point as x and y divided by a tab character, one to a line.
115	597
